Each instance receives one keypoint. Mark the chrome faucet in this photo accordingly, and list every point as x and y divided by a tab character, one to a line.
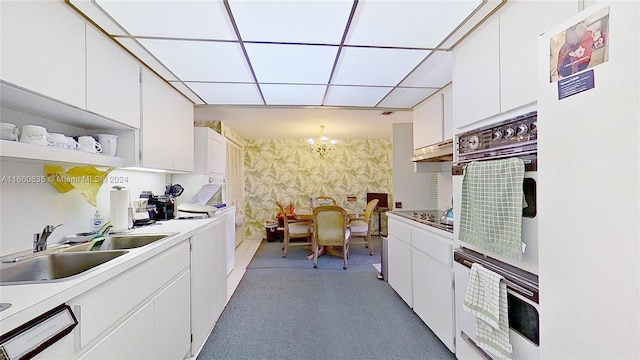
40	240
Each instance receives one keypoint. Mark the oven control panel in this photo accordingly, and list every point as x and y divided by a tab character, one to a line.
512	137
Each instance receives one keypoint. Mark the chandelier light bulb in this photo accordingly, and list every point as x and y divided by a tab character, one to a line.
323	146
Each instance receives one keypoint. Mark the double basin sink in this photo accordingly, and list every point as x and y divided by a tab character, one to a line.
68	260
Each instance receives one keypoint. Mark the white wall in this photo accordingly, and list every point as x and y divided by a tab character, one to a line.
588	201
26	208
445	190
414	190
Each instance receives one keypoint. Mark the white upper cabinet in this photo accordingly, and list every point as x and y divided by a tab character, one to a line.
43	49
113	80
495	68
167	126
427	122
476	75
520	25
211	152
431	119
447	112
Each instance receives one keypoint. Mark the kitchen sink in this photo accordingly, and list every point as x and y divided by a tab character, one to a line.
117	242
51	267
120	242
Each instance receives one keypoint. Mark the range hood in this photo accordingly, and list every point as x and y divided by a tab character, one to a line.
440	152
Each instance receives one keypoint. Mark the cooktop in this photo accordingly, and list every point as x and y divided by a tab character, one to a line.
428	217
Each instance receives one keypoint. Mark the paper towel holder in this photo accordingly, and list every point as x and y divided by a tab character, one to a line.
121	215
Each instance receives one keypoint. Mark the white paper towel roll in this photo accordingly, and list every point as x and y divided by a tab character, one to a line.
119	208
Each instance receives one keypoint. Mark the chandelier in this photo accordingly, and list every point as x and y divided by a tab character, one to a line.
323	145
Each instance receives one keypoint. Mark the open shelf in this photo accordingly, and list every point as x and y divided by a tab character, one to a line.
24	100
23	151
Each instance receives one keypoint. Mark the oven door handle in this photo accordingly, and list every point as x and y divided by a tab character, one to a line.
473	344
518	288
510	284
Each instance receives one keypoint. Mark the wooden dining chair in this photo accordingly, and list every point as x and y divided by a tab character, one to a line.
294	230
325	200
330	229
362	227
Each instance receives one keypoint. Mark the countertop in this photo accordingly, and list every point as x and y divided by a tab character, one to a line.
30	300
407	216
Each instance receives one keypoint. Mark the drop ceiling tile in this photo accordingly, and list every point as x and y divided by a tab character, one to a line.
436	71
175	19
378	67
186	91
355	95
310	22
276	63
141	53
90	9
407	23
227	94
406	98
279	94
201	60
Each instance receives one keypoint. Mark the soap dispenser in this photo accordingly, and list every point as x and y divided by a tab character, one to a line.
96	222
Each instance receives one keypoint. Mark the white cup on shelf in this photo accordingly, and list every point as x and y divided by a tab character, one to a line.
71	143
59	140
9	131
89	144
109	143
36	135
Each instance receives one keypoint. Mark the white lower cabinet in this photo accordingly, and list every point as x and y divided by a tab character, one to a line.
143	313
129	340
208	281
172	320
420	271
399	264
433	296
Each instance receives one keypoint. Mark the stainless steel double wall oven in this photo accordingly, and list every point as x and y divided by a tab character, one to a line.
514	137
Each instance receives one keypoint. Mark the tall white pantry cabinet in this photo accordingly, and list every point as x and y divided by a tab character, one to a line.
589	160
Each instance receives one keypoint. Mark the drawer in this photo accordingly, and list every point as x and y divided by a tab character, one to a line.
436	246
400	230
100	309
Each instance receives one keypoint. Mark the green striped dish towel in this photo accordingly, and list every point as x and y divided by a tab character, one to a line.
491	207
486	299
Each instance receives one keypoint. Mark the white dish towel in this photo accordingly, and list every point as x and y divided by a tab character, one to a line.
486	299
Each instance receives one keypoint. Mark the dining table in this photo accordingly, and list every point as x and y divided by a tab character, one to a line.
306	213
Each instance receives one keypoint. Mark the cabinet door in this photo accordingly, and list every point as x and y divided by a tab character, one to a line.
131	340
43	49
433	296
172	316
217	153
208	281
427	122
447	113
399	272
520	25
113	80
166	127
476	76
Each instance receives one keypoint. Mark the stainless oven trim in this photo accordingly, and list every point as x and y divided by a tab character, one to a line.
475	346
530	163
517	280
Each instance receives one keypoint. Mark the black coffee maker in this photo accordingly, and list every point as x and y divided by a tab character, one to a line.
160	207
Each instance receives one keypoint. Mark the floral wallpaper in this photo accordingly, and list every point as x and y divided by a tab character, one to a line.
286	170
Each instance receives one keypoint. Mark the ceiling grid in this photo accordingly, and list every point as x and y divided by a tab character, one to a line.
334	54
